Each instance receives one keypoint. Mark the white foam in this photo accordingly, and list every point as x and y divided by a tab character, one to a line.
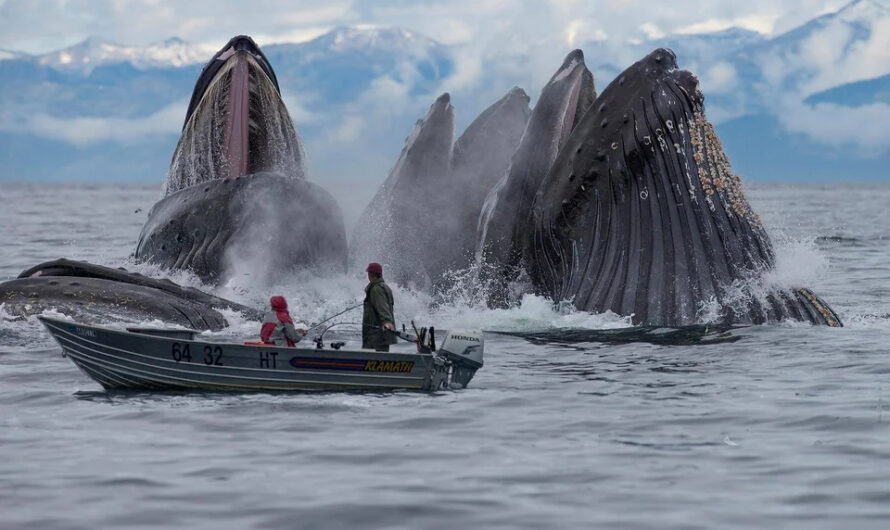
313	298
798	263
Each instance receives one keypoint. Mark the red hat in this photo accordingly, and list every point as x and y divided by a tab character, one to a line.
375	268
278	303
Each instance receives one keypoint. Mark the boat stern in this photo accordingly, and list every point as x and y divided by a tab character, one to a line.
463	349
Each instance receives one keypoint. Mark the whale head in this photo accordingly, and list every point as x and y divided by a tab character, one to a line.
236	123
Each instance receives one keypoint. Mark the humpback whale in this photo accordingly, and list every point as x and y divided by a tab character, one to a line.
480	157
391	228
641	214
625	202
422	221
236	201
236	196
94	292
563	100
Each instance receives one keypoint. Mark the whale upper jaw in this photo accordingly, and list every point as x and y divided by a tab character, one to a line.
500	242
240	43
236	123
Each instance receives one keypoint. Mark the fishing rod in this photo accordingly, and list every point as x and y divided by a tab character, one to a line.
350	308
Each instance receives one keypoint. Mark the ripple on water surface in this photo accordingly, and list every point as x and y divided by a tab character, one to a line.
564	427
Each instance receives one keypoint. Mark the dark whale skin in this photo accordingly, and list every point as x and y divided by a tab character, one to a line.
501	242
277	224
392	229
94	293
421	223
480	158
642	215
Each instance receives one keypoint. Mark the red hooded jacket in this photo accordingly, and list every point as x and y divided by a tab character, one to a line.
279	306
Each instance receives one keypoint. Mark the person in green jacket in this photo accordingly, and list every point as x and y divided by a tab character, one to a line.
378	323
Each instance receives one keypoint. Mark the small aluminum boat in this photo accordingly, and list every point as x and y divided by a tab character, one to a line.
173	359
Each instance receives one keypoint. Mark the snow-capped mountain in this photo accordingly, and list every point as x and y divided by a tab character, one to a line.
93	52
344	39
175	52
712	46
345	61
852	44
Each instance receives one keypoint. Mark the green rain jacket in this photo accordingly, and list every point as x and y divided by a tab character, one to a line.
378	309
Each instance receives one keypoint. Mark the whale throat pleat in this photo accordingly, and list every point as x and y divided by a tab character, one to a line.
239	126
641	214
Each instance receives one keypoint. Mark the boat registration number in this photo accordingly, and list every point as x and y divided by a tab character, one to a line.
209	355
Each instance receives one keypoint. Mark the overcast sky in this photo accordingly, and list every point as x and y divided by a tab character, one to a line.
38	26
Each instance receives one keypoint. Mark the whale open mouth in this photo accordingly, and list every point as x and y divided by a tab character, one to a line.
236	133
241	43
236	124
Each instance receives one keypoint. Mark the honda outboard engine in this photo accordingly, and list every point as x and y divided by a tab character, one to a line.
463	348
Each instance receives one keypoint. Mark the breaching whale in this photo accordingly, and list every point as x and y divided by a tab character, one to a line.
236	202
562	103
422	221
236	196
390	229
641	214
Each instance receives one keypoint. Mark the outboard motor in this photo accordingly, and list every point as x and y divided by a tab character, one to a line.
463	348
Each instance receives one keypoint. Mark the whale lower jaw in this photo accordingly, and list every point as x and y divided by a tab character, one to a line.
265	225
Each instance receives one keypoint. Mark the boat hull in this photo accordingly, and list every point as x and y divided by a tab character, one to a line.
124	360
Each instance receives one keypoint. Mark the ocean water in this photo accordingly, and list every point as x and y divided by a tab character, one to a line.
783	428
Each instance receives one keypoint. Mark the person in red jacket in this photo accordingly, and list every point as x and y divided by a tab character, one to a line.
278	327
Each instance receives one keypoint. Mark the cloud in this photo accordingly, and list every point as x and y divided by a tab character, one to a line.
496	44
349	130
85	131
299	106
851	60
39	26
720	78
761	23
44	25
862	130
652	31
852	46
